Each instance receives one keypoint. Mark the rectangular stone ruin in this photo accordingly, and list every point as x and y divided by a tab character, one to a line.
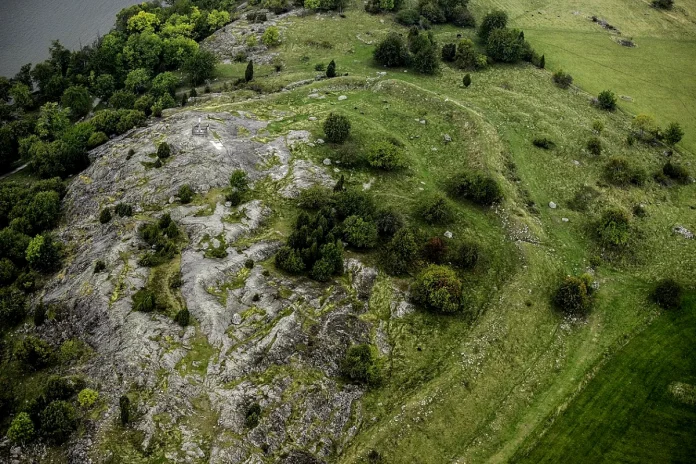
200	129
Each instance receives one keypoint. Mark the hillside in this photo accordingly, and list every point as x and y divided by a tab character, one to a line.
229	351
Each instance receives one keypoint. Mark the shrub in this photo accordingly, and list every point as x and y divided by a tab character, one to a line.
239	181
476	187
543	142
492	21
336	128
124	409
34	352
435	250
105	215
562	79
613	229
319	67
185	194
361	364
668	294
673	134
676	172
183	317
252	415
573	296
466	80
438	289
426	61
43	253
594	146
468	58
314	197
392	51
504	45
322	270
87	397
401	252
96	139
144	301
619	172
385	155
435	210
249	72
462	17
99	266
663	4
646	127
449	51
289	260
389	221
8	272
163	150
123	209
408	17
21	429
607	100
44	211
465	255
360	233
271	37
331	70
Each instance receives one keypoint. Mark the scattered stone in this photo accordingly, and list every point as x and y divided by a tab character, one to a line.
313	95
576	162
320	141
565	219
683	231
626	98
236	319
434	149
552	205
449	234
342	97
312	118
422	121
447	138
327	162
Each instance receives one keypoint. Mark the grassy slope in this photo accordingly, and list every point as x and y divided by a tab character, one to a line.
657	74
475	392
627	413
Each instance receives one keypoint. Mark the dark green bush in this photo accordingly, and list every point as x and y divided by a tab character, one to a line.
619	172
13	245
105	215
8	272
504	45
336	128
434	209
476	187
668	294
449	51
96	139
99	266
607	100
673	133
435	250
360	233
676	172
124	410
43	253
289	260
562	79
58	421
252	415
389	221
466	80
13	306
613	229
583	198
465	255
438	289
314	198
34	352
663	4
385	155
574	295
594	146
361	364
353	202
123	210
392	51
408	17
144	301
182	317
185	194
462	17
164	151
239	181
331	70
401	252
492	21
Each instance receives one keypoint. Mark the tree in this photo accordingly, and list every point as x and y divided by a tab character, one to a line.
673	134
331	70
44	211
466	80
663	4
182	317
217	19
13	306
401	252
105	215
271	37
449	51
542	62
392	51
34	352
361	364
21	430
468	58
494	20
434	209
21	95
104	86
426	60
439	289
504	45
52	121
336	128
239	181
87	397
462	17
476	187
163	150
78	99
249	72
289	260
164	83
43	253
200	66
124	410
573	296
614	229
607	100
185	194
360	233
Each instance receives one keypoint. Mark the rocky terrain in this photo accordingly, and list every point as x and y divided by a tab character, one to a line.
258	336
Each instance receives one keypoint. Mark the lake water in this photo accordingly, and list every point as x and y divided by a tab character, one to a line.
27	27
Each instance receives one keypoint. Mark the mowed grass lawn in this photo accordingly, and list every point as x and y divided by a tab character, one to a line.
657	75
628	413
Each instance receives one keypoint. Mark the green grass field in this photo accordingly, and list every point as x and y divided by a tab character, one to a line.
481	388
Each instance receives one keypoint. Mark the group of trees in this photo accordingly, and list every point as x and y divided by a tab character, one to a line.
420	51
429	12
